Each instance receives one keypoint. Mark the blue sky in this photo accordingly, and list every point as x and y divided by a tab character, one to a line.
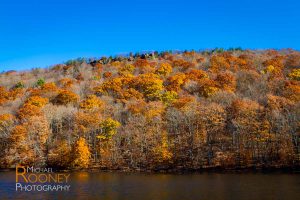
39	33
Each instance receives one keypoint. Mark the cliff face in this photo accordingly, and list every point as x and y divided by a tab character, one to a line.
183	110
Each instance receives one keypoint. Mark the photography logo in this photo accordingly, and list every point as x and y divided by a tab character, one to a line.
40	179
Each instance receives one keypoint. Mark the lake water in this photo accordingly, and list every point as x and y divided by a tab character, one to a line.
139	186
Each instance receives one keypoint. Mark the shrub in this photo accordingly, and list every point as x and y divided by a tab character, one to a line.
40	82
19	85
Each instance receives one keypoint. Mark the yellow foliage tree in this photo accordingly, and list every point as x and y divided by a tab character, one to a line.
81	154
295	74
126	69
115	87
148	84
164	69
168	97
162	152
91	102
109	128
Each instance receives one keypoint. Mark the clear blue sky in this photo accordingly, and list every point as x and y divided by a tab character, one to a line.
38	33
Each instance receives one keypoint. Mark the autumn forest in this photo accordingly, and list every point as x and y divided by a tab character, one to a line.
172	110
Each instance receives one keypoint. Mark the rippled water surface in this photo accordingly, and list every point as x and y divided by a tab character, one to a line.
131	186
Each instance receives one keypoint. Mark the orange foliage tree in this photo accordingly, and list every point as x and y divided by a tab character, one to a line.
37	101
226	81
175	82
144	66
218	63
66	97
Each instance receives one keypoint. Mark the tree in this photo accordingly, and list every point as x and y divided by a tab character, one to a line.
109	128
19	151
29	110
86	123
212	119
91	102
37	101
161	151
7	122
168	97
293	60
164	69
81	154
131	93
206	87
291	90
175	82
182	64
218	63
112	87
60	155
226	81
196	75
66	83
47	90
274	66
4	95
295	74
249	130
168	110
148	84
144	66
126	69
38	129
66	97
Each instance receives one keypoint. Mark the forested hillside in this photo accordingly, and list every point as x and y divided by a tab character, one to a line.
167	110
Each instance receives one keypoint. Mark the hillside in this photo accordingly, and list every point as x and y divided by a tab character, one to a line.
168	110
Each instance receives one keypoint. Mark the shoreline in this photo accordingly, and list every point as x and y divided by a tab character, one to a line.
262	169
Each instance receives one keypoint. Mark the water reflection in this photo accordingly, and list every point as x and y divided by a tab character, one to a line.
110	186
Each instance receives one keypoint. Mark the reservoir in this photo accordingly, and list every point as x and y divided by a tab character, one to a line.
158	186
